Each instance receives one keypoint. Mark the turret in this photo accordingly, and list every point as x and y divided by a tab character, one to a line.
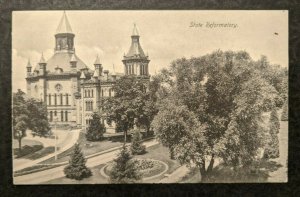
42	65
98	66
28	67
113	74
73	61
82	76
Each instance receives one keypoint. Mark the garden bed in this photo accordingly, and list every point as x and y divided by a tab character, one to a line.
29	147
33	169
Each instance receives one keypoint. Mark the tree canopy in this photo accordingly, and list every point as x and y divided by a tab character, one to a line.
224	94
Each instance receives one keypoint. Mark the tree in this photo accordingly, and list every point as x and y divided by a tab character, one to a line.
96	129
124	169
131	102
137	148
224	94
77	168
285	115
28	114
272	147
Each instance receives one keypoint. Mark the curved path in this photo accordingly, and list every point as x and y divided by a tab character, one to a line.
66	139
54	173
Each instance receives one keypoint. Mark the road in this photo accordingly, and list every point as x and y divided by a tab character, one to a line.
54	173
66	139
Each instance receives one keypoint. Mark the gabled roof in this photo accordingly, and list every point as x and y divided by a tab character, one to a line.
64	25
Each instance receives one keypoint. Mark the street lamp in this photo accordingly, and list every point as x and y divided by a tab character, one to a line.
55	122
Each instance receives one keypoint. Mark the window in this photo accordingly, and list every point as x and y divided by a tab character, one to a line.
84	93
102	93
51	116
86	122
55	101
109	92
67	99
89	93
62	116
61	99
91	103
66	116
55	113
49	99
92	93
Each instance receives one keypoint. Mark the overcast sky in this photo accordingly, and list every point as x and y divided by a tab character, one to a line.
165	36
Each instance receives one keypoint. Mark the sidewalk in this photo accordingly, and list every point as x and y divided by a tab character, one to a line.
69	140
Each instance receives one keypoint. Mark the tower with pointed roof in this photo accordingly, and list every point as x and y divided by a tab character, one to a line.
135	61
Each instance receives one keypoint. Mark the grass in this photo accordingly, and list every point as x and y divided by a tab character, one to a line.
32	169
28	147
88	148
157	152
258	172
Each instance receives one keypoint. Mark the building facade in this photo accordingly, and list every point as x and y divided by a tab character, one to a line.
73	91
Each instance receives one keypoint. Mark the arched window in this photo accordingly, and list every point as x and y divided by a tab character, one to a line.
62	116
84	93
51	116
66	116
49	99
92	93
89	94
61	99
55	101
91	105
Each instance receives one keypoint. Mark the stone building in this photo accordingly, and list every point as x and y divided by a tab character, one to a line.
71	90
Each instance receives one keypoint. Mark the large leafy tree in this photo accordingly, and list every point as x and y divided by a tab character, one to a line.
96	129
28	114
227	93
131	105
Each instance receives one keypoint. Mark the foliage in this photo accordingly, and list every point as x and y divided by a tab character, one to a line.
213	105
285	115
77	168
131	104
272	147
96	129
124	169
137	148
28	114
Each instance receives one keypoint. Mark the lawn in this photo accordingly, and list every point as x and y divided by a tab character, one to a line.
28	147
157	152
88	148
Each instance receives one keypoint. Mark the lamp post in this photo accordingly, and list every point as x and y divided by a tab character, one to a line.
55	122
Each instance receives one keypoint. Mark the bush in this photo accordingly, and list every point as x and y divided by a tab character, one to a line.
76	168
96	130
272	147
285	114
137	148
124	169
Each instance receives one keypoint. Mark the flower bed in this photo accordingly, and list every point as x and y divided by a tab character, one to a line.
147	167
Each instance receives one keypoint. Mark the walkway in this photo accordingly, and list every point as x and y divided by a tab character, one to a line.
66	139
54	173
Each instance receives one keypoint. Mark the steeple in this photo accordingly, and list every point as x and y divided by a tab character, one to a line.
29	67
64	37
64	25
135	32
135	49
42	60
98	66
42	65
29	64
97	61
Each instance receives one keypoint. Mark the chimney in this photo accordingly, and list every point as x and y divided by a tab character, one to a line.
106	74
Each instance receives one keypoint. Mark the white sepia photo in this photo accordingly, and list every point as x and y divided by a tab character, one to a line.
110	97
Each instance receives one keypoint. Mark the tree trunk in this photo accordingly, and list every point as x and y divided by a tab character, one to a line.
211	164
20	145
203	171
171	153
125	137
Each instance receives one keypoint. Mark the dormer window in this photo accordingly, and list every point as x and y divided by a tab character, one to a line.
58	69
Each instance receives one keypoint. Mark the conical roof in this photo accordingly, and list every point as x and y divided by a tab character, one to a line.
73	58
28	64
95	75
135	31
42	61
113	71
64	25
82	76
97	61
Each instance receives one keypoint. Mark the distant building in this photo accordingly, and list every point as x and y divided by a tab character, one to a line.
71	90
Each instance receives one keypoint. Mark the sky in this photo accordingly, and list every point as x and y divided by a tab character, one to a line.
164	35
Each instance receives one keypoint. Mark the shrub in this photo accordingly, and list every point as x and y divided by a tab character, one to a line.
284	115
96	129
272	147
76	168
137	148
124	169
